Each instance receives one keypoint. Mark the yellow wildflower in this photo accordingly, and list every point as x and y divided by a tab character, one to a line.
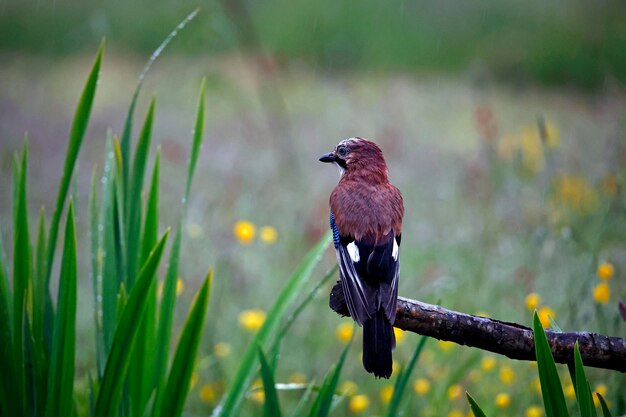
359	403
251	320
268	234
399	333
570	391
344	332
421	386
576	193
348	387
532	301
180	286
455	413
297	378
445	345
258	396
207	394
194	230
600	389
532	150
544	316
395	366
533	411
552	136
503	400
601	293
455	391
194	380
244	231
536	385
488	363
605	271
221	349
386	393
507	375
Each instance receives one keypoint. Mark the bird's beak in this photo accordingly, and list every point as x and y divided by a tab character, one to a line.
329	157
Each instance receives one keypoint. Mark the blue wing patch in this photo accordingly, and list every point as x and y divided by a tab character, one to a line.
335	229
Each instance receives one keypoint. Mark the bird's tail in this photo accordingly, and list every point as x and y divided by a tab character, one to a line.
378	342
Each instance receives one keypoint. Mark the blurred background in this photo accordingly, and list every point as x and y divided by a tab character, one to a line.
503	123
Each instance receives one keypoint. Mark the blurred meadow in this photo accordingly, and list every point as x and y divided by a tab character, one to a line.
503	124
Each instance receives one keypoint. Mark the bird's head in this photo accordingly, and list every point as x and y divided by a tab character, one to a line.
358	156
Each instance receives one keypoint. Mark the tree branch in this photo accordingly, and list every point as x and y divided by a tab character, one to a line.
509	339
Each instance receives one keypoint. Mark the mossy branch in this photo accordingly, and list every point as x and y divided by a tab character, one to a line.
509	339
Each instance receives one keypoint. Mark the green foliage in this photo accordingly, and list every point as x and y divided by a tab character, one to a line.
284	300
271	406
605	408
583	392
323	402
38	345
554	45
402	380
478	412
61	381
551	390
177	385
553	398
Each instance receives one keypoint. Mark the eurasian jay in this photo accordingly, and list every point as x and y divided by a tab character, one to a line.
366	220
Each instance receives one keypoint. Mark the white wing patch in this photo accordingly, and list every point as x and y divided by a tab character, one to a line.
394	252
353	250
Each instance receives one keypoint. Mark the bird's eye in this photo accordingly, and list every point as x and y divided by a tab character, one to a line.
342	151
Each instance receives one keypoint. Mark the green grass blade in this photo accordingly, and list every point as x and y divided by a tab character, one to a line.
177	386
38	303
299	409
583	393
605	408
77	133
142	366
168	299
288	294
551	390
403	380
128	125
297	311
61	383
109	268
21	278
7	402
151	224
478	412
197	139
324	400
271	406
119	216
97	258
134	208
166	313
121	349
39	280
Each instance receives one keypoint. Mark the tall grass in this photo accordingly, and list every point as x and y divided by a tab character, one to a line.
39	342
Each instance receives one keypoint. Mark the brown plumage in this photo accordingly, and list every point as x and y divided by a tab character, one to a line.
366	218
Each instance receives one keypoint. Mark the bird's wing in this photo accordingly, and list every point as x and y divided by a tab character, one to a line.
360	296
383	267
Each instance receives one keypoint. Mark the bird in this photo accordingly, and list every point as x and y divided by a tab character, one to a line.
366	213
